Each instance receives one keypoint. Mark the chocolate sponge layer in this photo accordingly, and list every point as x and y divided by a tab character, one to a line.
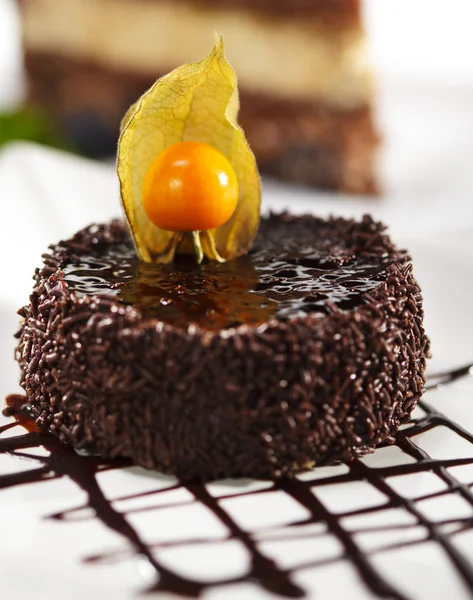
305	141
260	400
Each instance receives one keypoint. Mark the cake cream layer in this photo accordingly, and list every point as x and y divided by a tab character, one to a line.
295	58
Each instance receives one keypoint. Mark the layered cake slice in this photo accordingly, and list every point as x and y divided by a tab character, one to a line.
304	77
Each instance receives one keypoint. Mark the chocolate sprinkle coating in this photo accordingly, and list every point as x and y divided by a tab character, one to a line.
256	401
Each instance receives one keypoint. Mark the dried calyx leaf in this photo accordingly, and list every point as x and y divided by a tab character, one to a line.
197	102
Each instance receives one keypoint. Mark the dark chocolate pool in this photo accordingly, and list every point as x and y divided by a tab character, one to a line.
282	277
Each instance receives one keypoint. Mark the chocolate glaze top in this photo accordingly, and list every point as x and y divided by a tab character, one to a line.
290	272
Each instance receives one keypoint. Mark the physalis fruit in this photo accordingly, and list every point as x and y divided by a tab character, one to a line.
188	178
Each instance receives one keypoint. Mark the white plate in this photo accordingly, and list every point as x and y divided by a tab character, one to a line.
46	196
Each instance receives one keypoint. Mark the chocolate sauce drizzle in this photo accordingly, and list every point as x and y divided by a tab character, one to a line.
437	381
63	461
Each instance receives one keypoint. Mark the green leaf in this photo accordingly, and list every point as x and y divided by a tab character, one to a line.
30	124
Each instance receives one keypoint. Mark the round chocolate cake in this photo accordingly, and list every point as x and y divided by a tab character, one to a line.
309	349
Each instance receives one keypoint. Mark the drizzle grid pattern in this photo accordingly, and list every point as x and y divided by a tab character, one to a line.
62	461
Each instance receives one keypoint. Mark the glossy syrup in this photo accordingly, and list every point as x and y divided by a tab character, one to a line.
250	289
64	462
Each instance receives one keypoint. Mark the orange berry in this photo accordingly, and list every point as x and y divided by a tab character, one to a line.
190	186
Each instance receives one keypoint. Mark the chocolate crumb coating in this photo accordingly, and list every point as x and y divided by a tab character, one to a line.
263	399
